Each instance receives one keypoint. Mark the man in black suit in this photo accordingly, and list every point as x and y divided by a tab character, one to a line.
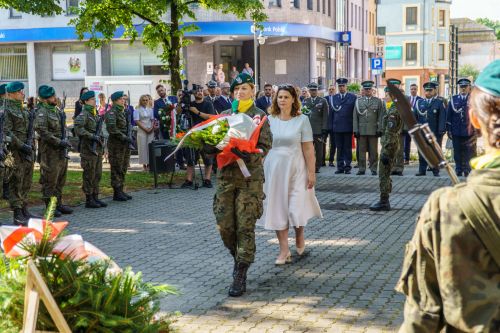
333	147
224	101
264	102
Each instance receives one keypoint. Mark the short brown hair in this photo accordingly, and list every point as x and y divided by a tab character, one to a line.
296	105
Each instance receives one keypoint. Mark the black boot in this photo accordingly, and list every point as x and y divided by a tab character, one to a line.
28	215
382	204
63	208
101	203
118	196
19	218
239	285
90	203
6	191
56	212
129	197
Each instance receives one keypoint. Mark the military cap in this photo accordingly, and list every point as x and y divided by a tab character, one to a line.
386	89
430	85
342	81
367	84
212	84
88	95
225	85
46	91
116	95
2	88
15	86
312	86
489	79
240	79
394	81
463	82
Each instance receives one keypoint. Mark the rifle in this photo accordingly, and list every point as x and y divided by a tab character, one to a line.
63	125
129	125
98	130
425	140
31	133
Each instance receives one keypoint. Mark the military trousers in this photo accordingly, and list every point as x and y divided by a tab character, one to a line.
92	172
463	152
119	157
407	146
399	163
384	176
368	144
237	207
318	141
333	147
53	170
422	163
343	141
20	181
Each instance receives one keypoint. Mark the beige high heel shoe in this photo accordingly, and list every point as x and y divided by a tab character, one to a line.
300	250
286	260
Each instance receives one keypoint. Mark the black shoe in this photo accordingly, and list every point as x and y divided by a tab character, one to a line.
460	174
99	202
64	209
187	184
428	169
347	172
356	166
317	170
207	183
117	196
466	173
406	162
6	191
90	202
28	215
420	174
397	173
436	174
19	218
239	286
331	164
339	172
374	173
360	173
128	196
381	205
182	167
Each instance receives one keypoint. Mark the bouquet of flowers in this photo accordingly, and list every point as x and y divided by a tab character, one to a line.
223	133
167	123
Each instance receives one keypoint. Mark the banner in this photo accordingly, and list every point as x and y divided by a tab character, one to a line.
69	66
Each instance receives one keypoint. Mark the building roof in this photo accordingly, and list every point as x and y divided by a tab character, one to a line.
469	31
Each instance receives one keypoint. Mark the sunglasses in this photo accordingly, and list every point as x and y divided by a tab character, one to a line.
285	86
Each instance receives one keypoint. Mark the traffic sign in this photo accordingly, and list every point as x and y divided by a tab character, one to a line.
376	71
377	64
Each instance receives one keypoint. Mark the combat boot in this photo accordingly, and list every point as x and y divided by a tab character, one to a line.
239	286
56	212
382	204
6	191
118	196
63	208
129	197
28	215
90	203
19	218
101	203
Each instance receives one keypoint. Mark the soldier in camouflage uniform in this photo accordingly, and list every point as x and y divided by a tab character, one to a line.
118	145
451	269
4	172
90	159
53	163
367	126
316	109
16	127
238	200
391	140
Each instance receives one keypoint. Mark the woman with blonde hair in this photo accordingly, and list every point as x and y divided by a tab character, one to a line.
143	117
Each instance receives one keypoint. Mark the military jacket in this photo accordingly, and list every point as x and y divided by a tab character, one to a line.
457	117
449	278
316	109
48	126
116	124
367	116
432	112
85	129
232	172
392	126
16	124
341	117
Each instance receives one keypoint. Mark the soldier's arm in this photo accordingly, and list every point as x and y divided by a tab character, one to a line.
448	117
390	145
112	128
380	120
324	126
42	127
15	142
355	126
265	138
80	129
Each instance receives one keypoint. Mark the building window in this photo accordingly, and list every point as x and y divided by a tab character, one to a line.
14	14
442	18
274	3
411	15
411	52
295	4
442	52
71	7
381	31
309	4
13	63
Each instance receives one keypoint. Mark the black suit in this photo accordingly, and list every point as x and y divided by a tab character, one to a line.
333	147
222	104
263	103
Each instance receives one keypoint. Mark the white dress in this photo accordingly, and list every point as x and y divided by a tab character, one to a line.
145	116
288	202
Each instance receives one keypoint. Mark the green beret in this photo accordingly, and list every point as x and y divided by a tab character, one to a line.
15	86
394	81
240	79
489	79
116	95
46	91
88	95
2	88
386	89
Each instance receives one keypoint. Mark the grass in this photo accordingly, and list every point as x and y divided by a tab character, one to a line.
73	194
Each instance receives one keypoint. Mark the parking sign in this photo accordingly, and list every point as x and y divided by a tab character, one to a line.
377	64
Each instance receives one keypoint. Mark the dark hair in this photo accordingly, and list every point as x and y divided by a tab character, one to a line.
274	108
31	103
268	85
159	86
81	90
413	85
487	109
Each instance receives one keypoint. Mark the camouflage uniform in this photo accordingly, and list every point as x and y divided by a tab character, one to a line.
391	141
238	201
6	171
85	129
449	278
16	127
118	145
53	164
317	112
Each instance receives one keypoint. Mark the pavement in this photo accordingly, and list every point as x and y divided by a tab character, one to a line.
345	283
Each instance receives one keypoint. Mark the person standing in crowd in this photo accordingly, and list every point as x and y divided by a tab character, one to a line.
247	69
143	117
333	147
238	200
103	105
391	139
304	94
414	98
4	174
430	111
52	149
460	129
162	106
221	76
211	86
79	103
264	102
129	109
118	145
223	103
91	150
233	74
399	165
316	109
367	125
16	126
341	124
201	109
289	170
450	274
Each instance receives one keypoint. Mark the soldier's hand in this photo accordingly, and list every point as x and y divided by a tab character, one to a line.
384	159
379	134
245	156
64	144
356	135
27	149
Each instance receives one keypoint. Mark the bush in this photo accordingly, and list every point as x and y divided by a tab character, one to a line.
354	87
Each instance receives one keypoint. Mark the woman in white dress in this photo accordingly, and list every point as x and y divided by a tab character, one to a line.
143	117
289	170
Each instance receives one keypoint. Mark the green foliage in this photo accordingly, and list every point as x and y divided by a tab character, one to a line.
495	25
354	87
38	7
468	70
212	135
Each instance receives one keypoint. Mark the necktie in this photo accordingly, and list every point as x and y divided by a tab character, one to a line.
342	97
268	100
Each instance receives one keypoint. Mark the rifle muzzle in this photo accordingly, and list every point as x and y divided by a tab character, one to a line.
427	145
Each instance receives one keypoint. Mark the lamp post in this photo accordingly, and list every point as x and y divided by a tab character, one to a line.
257	40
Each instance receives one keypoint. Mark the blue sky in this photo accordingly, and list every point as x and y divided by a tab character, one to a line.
476	8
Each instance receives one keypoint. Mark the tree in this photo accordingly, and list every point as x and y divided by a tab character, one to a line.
495	25
467	71
158	24
38	7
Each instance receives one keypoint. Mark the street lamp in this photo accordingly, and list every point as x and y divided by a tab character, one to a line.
257	40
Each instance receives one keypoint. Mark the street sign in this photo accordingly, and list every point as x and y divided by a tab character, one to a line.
376	71
377	64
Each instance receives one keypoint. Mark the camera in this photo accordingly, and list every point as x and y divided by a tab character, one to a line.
186	95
